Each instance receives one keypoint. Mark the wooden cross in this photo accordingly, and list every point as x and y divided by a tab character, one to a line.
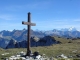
28	34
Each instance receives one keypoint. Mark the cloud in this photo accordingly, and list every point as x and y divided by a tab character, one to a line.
27	6
11	26
50	24
41	25
8	17
55	24
77	20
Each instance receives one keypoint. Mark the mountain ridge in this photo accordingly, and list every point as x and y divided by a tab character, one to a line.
45	41
21	35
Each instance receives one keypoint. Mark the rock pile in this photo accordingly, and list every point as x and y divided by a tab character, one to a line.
21	56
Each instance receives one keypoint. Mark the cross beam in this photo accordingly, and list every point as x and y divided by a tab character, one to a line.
28	23
28	34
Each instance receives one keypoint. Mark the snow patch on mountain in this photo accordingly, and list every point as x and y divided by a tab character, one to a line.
69	29
72	29
1	35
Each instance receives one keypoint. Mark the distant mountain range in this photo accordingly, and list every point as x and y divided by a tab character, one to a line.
21	35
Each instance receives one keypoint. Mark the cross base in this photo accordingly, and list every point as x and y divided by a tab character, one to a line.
28	53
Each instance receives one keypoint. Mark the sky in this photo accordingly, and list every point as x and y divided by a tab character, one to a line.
47	14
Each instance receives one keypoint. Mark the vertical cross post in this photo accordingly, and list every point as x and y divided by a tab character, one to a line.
28	34
28	38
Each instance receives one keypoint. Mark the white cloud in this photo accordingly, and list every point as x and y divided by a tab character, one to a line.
52	24
11	26
8	17
77	20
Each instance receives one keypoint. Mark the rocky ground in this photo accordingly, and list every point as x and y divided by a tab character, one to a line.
36	56
21	56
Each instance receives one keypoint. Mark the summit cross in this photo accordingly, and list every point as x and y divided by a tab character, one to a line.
29	24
